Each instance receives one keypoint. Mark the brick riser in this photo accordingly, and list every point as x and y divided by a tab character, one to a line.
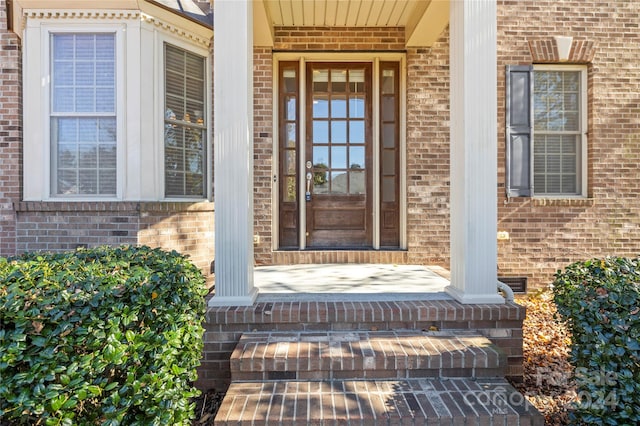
364	355
375	402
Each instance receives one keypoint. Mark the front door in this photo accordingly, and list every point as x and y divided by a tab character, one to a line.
338	172
335	169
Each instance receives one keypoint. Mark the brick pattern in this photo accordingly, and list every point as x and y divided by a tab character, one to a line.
546	51
339	256
364	355
547	235
377	402
10	132
338	39
263	152
502	324
184	227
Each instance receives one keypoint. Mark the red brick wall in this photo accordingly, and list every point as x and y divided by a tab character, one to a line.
547	235
262	151
185	227
10	132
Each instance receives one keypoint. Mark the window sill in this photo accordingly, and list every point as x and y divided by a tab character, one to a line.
562	202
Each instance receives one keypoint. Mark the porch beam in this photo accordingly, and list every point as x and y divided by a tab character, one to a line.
427	22
473	151
233	153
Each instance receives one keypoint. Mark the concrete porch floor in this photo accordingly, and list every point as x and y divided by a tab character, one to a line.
353	282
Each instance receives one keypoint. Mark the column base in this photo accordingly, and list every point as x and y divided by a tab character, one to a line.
248	300
480	298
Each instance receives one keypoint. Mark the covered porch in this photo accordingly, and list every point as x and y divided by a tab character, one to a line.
242	26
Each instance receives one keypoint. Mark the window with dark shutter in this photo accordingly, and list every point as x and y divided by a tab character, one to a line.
545	130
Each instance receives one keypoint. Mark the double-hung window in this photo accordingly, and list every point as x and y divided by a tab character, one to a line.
185	124
546	131
83	114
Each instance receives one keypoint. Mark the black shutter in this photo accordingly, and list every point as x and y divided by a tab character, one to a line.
518	138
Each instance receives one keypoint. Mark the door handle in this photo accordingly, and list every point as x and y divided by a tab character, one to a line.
307	194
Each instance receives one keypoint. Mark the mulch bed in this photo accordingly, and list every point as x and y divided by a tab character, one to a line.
548	377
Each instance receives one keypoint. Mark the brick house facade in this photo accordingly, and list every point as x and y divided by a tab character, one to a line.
545	232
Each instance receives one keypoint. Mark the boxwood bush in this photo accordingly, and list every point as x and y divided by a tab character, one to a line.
104	336
600	301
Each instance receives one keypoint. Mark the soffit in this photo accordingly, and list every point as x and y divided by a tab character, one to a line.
423	20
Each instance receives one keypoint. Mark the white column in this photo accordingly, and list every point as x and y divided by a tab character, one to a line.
233	152
473	151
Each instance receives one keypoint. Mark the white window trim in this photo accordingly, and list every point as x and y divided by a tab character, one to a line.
583	173
37	107
374	59
140	119
158	108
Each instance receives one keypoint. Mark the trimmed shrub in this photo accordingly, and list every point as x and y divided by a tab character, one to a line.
600	301
108	336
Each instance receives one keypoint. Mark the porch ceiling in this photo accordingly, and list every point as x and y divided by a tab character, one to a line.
423	20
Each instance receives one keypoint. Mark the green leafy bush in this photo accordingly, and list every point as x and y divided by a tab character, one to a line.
600	301
101	336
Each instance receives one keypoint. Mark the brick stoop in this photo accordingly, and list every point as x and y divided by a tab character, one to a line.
460	401
371	378
389	354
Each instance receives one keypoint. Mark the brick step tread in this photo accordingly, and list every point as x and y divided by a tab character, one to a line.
377	402
364	354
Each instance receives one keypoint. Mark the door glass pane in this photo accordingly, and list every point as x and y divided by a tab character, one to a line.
357	182
320	106
291	135
356	81
289	77
356	132
339	182
389	135
356	157
290	162
320	132
320	80
338	157
339	132
338	81
388	86
320	156
291	107
339	106
321	181
290	194
388	162
388	189
388	108
356	106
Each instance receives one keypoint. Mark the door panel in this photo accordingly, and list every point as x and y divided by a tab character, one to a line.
338	149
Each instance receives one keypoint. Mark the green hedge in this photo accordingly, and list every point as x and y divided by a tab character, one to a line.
108	336
600	301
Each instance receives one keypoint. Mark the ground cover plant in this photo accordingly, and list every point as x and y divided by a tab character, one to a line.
104	336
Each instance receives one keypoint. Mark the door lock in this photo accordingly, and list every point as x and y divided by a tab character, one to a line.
307	194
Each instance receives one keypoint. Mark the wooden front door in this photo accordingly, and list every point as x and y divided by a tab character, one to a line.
327	156
338	166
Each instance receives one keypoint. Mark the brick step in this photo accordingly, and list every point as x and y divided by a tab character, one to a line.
326	355
377	402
